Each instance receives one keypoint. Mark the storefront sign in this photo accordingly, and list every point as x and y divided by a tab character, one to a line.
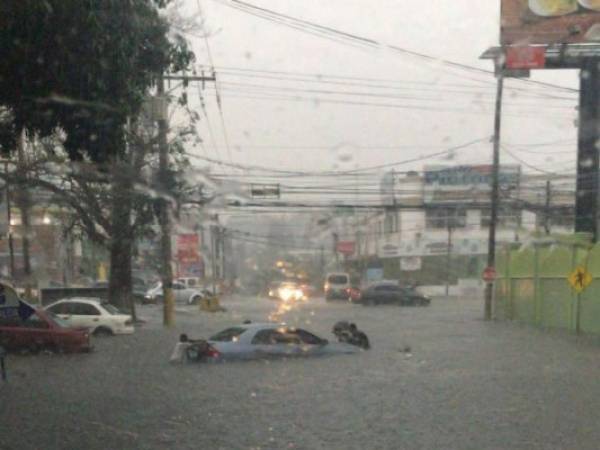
388	250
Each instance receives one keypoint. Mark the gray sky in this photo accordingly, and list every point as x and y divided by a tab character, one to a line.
447	107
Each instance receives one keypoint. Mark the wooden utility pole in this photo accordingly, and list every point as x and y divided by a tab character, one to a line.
547	207
491	261
166	251
214	239
449	226
165	210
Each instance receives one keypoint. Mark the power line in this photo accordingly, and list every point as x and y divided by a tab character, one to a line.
345	37
353	171
217	89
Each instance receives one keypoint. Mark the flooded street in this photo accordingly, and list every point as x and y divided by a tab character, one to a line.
464	384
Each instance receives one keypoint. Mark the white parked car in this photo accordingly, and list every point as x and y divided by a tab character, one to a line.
103	319
182	293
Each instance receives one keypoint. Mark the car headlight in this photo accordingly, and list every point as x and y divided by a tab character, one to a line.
286	294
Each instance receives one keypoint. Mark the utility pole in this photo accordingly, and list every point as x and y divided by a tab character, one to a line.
491	261
547	207
214	242
586	200
165	213
223	260
449	225
336	239
322	262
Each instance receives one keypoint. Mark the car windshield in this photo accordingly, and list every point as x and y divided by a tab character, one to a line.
421	176
338	279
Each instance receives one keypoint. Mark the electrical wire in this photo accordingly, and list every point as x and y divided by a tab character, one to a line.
343	36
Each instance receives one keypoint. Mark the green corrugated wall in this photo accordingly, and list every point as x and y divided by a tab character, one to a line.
532	284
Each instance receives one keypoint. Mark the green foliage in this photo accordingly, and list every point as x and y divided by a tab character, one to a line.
81	66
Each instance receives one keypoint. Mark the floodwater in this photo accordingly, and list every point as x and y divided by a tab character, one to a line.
464	384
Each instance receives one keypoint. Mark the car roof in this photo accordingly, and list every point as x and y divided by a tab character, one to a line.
93	300
385	283
257	326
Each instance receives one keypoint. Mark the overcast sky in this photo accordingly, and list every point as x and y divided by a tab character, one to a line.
431	107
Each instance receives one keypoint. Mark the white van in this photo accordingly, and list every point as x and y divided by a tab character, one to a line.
337	286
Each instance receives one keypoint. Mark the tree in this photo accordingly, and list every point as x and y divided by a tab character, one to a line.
83	67
117	208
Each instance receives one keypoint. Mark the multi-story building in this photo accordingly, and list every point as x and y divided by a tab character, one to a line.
433	227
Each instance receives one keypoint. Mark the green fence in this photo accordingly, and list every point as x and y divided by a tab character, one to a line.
533	287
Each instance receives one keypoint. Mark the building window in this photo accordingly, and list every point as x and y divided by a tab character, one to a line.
390	223
444	217
506	218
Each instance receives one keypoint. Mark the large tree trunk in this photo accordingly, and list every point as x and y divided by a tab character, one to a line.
121	242
120	292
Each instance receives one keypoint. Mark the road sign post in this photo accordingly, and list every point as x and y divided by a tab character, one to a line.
489	275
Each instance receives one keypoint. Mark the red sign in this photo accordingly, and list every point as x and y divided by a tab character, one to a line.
188	248
525	57
489	275
346	247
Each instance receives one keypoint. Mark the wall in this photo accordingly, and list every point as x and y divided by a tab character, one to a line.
532	285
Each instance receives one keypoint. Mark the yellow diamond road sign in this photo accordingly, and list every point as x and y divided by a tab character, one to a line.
580	279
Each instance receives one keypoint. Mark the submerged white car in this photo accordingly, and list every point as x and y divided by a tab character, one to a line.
102	319
260	341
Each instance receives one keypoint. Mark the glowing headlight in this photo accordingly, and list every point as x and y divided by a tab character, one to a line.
286	294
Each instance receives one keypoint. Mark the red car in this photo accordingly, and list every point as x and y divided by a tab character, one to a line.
42	331
354	294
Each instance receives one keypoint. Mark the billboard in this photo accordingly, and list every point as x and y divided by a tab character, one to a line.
454	184
189	260
526	22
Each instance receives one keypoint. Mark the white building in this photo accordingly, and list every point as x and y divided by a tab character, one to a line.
435	224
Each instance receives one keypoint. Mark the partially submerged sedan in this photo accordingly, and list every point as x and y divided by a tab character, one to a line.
259	341
42	331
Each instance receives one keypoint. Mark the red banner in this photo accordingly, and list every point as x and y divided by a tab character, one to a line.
188	248
346	247
525	57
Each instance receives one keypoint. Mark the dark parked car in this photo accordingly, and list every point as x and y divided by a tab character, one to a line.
42	331
386	293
